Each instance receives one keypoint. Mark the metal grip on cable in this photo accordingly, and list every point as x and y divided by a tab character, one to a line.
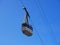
26	11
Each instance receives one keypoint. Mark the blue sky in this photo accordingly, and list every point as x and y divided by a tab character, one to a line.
44	17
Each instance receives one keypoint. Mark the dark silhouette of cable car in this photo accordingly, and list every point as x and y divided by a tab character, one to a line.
26	27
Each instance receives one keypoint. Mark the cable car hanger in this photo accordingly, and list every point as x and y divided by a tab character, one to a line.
26	15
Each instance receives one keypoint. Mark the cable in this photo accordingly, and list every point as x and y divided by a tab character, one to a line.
37	33
22	3
46	19
40	8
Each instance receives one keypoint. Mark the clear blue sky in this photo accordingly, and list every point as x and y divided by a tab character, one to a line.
45	19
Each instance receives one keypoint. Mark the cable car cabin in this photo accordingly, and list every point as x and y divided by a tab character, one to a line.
27	29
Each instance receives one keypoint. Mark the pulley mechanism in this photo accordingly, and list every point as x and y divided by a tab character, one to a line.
26	27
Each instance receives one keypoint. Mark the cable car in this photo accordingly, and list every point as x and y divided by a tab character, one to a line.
27	29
